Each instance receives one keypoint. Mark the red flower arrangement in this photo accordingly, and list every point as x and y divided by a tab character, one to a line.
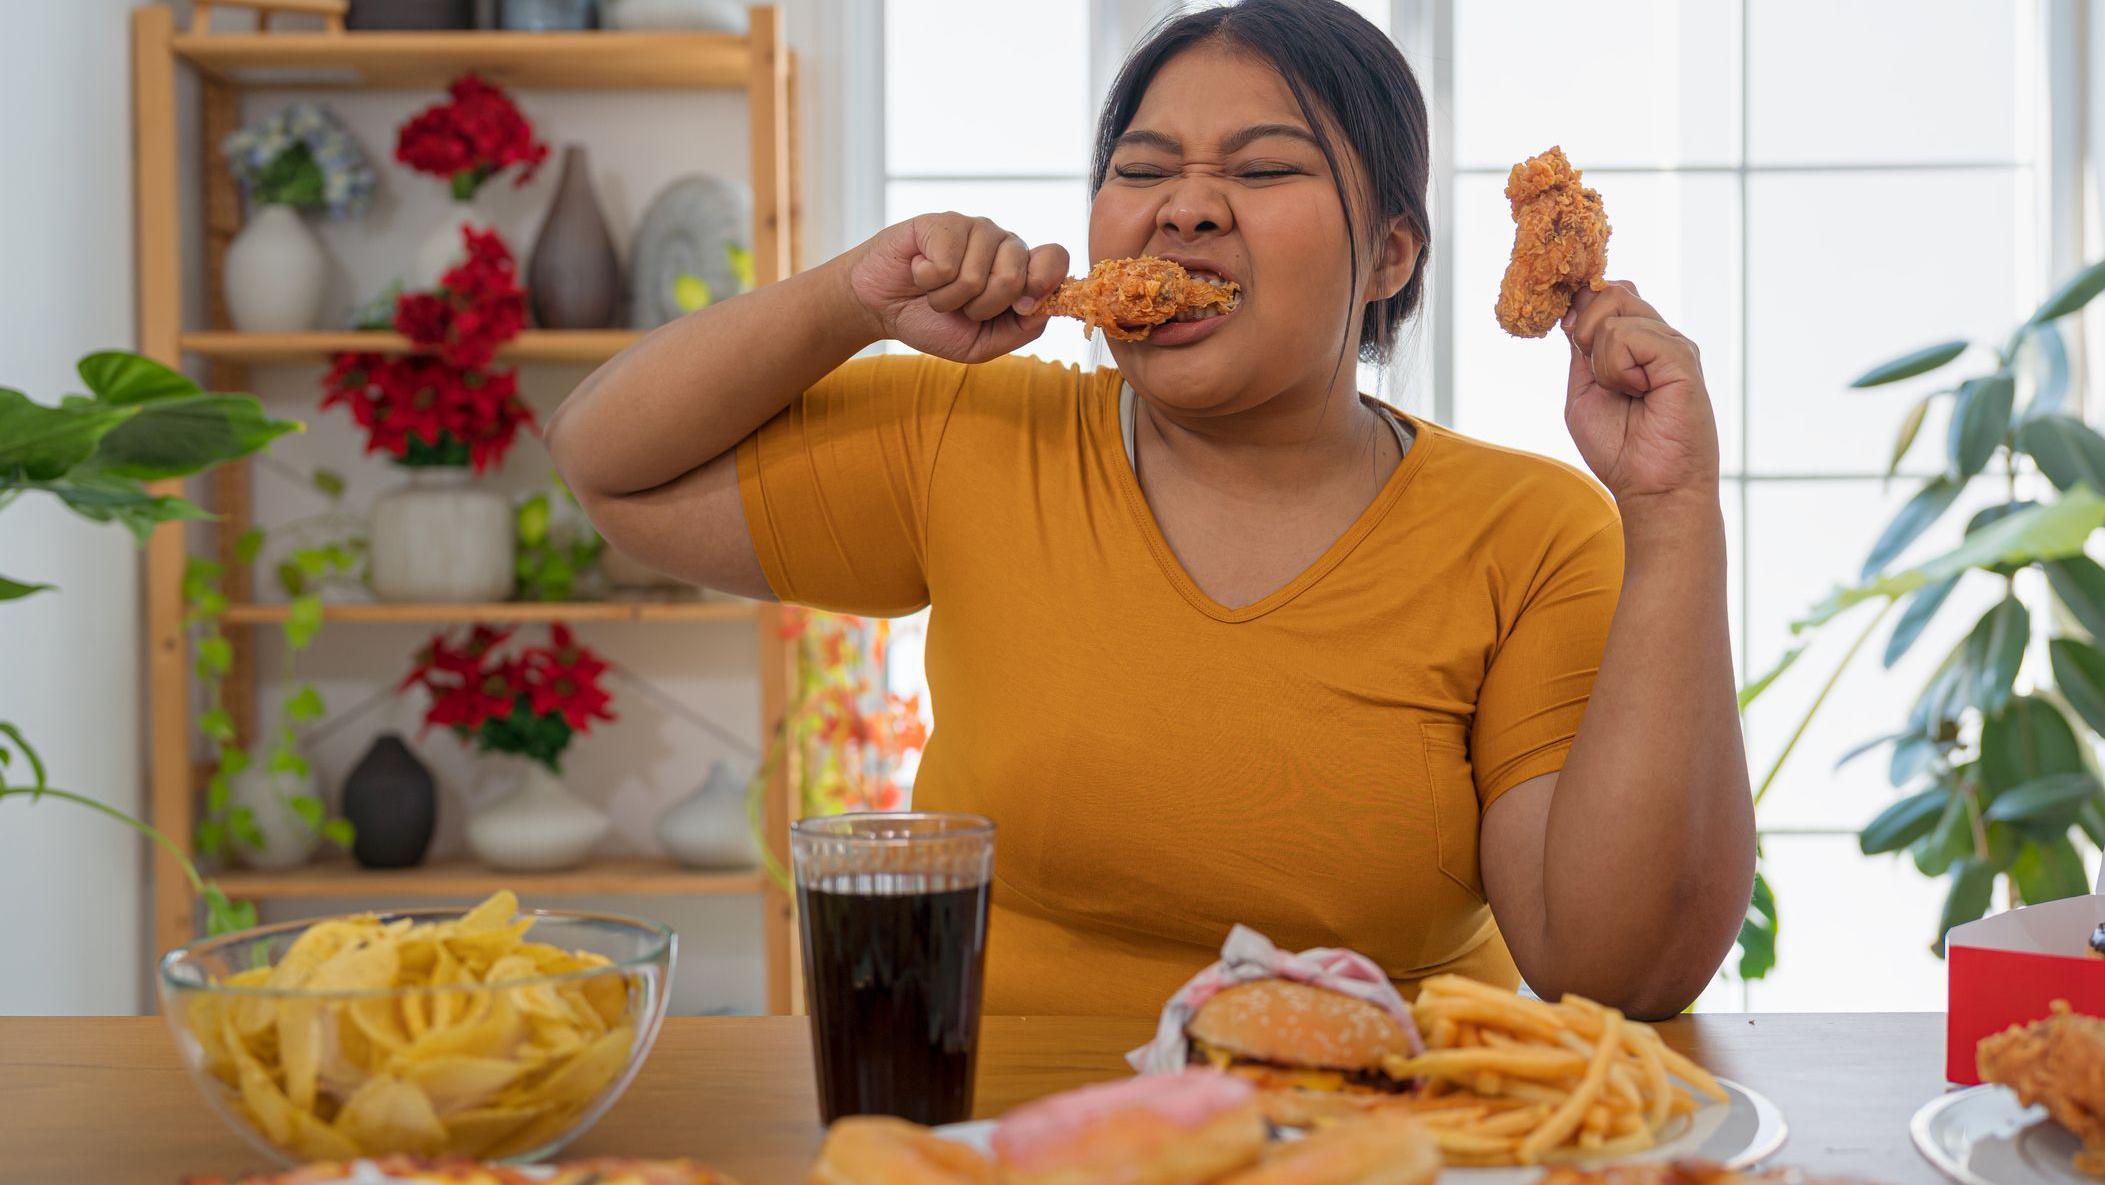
470	137
441	406
531	702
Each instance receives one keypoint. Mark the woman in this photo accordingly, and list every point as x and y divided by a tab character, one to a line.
1215	638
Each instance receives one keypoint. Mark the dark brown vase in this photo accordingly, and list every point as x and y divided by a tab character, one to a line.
410	14
574	280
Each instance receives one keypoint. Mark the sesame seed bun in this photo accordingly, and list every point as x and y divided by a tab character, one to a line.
1295	1024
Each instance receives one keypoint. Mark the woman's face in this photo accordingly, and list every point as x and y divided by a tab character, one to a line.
1220	172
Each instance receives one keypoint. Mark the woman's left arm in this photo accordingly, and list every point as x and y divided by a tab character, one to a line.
1625	876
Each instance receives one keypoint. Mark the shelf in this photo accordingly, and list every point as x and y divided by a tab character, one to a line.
462	878
503	611
534	345
428	61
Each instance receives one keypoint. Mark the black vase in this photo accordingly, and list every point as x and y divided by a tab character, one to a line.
410	14
574	280
392	801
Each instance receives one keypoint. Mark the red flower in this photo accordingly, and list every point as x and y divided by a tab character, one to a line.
472	684
476	133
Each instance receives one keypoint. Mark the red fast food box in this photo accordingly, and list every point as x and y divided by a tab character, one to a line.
2007	969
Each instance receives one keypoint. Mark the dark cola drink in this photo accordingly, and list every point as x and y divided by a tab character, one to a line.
894	920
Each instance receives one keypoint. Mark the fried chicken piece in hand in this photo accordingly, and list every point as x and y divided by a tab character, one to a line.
1127	298
1560	244
2058	1062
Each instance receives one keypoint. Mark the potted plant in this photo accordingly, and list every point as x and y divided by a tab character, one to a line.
94	453
444	414
298	158
523	707
475	134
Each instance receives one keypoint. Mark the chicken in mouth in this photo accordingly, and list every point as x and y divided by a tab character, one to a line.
1128	298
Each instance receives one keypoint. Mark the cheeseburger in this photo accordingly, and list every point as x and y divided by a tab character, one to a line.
1315	1053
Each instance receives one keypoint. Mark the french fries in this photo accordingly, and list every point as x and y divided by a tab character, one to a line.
1513	1081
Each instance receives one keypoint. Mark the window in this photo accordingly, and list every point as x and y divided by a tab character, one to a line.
1802	187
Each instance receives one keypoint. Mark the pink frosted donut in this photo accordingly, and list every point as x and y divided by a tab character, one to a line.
1171	1129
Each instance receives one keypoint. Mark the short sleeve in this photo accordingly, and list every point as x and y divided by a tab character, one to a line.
1534	695
835	488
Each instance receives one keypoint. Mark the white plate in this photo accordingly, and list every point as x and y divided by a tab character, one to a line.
1982	1136
1741	1132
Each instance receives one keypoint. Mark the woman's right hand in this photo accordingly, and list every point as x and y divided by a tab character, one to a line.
956	287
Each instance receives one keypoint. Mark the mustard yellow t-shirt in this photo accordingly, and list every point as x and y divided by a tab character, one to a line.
1160	767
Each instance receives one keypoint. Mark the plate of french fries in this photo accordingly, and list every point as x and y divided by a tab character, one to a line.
1510	1081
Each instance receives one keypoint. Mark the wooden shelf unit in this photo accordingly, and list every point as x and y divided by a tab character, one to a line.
224	64
466	879
534	345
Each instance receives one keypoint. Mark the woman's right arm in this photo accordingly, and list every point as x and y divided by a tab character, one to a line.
647	443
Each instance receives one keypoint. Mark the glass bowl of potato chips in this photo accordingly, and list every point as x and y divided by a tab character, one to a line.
493	1032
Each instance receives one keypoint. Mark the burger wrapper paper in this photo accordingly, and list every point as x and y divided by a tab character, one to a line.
1248	956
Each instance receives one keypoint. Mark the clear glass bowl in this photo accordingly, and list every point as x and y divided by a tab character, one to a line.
509	1046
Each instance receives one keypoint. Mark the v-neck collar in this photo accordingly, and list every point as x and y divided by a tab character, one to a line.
1112	440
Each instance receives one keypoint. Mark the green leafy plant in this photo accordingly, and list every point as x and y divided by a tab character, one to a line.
1994	781
94	453
551	553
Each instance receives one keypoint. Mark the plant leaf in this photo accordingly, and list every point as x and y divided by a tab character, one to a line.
217	724
308	808
2079	674
242	822
1917	516
2047	531
2067	450
1952	838
305	704
1912	754
217	793
1752	691
303	619
2073	295
39	443
1972	882
177	437
1904	822
14	590
2051	801
211	837
120	377
2049	870
2051	390
2080	584
1910	428
2024	742
1980	420
329	482
246	547
1909	365
340	832
1994	651
1758	931
233	759
1923	604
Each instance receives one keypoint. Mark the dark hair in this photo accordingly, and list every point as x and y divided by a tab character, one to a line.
1339	66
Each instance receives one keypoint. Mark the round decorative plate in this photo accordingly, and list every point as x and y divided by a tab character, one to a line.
1983	1136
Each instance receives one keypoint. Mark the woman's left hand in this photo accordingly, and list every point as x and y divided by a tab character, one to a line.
1636	404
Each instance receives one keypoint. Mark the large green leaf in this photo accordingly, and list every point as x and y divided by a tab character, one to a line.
1923	604
2067	450
1972	883
2080	584
1758	931
39	443
2050	802
2048	531
1943	698
179	436
1905	821
2079	673
1980	419
2072	295
1951	839
1994	651
103	499
1912	756
1752	691
119	377
2051	390
1909	365
2026	741
14	590
2049	870
1910	428
1921	511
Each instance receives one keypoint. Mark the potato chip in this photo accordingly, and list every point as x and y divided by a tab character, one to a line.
389	1113
470	1052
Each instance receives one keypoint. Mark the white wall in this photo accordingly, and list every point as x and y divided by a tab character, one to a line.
73	933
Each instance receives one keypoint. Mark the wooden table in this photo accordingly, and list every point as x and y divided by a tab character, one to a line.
103	1101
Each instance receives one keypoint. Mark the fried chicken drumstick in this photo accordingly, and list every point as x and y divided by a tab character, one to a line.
2058	1062
1127	298
1560	244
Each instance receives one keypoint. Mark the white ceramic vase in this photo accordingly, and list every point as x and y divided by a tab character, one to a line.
539	826
709	829
287	839
274	274
443	246
441	538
